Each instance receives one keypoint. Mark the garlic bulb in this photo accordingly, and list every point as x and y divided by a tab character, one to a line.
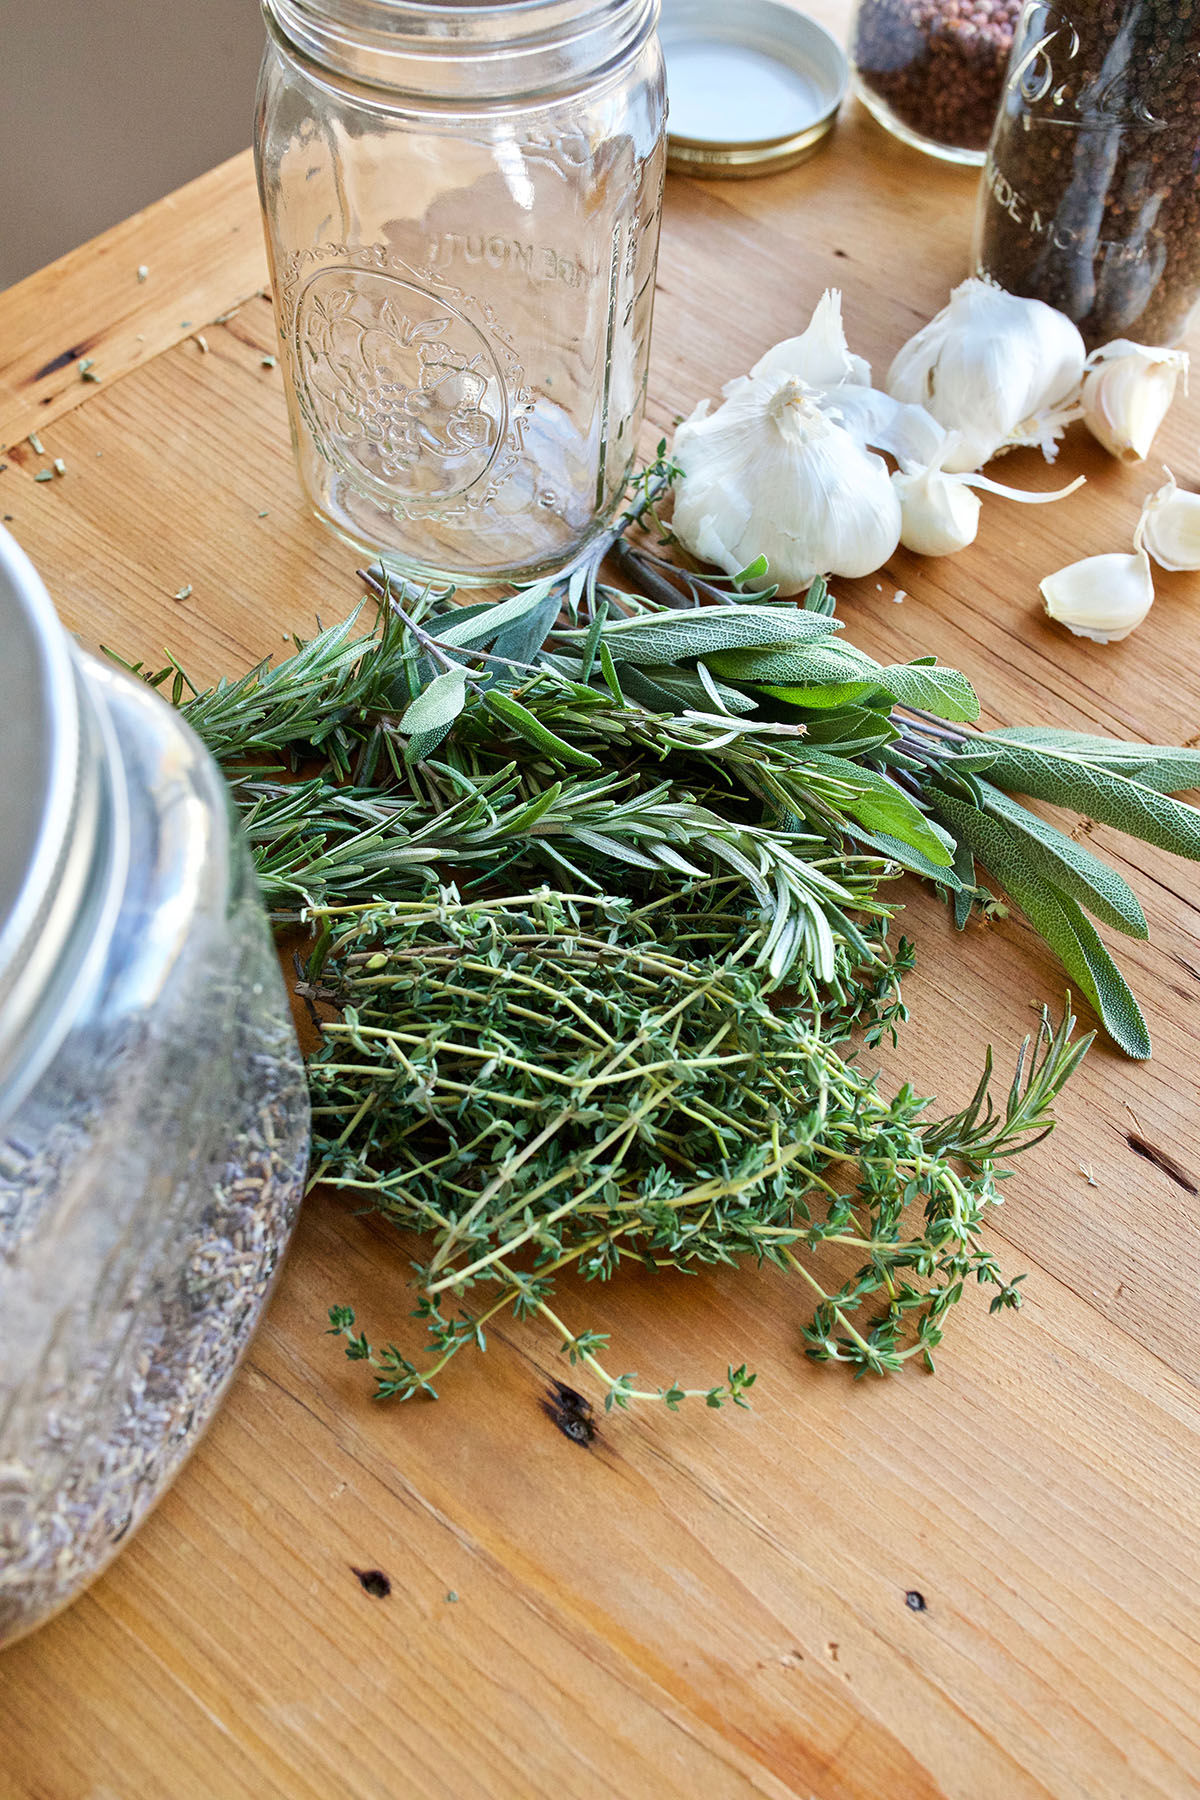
1126	394
940	510
770	474
840	384
1103	597
1170	526
999	370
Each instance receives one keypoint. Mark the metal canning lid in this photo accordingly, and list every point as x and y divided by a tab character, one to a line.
51	798
754	86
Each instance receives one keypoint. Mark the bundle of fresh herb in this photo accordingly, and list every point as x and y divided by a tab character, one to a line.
552	1081
597	882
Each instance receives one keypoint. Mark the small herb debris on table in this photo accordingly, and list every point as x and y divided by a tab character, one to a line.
590	1003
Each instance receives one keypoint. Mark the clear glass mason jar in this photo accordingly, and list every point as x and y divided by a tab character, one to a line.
1089	198
462	208
153	1106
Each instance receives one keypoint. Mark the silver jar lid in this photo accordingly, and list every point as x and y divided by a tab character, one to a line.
52	792
754	86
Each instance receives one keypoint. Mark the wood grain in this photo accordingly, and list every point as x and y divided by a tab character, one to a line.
202	252
700	1605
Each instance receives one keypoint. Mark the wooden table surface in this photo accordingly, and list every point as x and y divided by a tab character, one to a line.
702	1605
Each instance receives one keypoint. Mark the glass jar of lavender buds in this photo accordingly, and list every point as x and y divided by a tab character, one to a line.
1090	198
932	71
153	1107
462	200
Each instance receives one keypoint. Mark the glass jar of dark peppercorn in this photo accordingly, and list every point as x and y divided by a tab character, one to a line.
1090	198
932	71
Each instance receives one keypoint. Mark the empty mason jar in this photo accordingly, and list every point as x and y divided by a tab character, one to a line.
462	209
153	1106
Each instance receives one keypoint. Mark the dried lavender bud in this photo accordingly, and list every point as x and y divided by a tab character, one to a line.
935	67
1090	199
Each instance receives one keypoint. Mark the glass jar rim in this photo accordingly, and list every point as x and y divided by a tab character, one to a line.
455	49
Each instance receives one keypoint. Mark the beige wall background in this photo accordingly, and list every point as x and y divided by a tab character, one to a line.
106	104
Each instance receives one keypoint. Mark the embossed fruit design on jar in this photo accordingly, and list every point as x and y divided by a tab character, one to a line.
462	208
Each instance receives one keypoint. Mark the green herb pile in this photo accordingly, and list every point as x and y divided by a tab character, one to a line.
597	881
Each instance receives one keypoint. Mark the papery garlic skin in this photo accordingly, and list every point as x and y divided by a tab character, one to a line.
1170	527
878	422
820	357
840	384
770	474
1127	392
997	369
1103	597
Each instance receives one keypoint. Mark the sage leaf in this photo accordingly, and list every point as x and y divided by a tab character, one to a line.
521	639
944	692
897	851
672	637
429	718
974	761
818	665
472	631
451	614
964	870
1066	778
850	731
838	673
1059	920
1070	866
673	691
1073	938
1168	769
878	805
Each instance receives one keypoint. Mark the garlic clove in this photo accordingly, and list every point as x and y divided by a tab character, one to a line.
820	356
940	510
770	474
1126	395
1170	527
1103	597
996	368
939	513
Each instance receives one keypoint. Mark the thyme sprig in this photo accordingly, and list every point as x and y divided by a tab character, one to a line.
550	1082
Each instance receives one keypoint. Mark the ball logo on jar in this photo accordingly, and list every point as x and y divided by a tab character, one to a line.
1043	81
403	392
